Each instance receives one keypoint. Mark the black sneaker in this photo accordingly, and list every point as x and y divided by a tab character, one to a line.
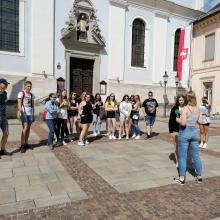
179	181
22	149
27	146
5	153
198	179
148	136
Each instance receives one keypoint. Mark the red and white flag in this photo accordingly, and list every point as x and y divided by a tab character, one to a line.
183	64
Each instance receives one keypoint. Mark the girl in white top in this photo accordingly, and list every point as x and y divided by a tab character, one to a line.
204	121
63	116
125	108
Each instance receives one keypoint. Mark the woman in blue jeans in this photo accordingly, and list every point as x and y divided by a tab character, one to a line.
189	138
136	117
51	114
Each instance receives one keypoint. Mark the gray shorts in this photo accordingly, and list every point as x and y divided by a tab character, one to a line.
4	123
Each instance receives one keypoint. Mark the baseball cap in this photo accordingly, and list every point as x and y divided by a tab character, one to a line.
4	81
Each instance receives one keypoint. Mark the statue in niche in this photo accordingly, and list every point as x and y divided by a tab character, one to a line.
82	27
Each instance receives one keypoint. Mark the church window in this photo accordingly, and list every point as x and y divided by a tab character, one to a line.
176	46
9	25
138	43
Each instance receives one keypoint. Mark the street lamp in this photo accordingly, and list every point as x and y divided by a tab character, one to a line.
165	80
177	83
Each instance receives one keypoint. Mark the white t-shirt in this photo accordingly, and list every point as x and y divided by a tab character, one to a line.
125	108
26	105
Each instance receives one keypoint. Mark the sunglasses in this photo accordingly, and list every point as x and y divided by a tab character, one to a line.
126	97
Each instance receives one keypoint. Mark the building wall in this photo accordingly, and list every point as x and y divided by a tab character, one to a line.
206	71
42	32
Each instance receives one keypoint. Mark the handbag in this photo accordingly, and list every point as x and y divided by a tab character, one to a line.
135	117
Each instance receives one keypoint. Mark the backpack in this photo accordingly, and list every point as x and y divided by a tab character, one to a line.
22	100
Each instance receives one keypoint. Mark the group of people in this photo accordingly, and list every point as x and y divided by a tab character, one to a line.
184	117
67	115
82	111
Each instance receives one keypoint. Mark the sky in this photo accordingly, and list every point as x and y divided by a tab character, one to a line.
210	3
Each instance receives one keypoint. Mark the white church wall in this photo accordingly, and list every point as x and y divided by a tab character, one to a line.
42	33
136	74
160	47
116	41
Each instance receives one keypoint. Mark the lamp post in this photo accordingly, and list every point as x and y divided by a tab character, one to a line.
165	80
177	84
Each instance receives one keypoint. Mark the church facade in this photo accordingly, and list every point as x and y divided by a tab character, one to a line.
127	44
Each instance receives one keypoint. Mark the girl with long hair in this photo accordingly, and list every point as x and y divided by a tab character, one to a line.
73	112
63	116
136	116
204	121
111	108
125	108
85	112
173	125
98	104
188	138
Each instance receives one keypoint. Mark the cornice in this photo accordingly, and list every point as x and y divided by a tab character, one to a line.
207	22
122	3
168	8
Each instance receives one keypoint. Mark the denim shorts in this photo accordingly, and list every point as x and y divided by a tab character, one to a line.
27	119
150	119
4	123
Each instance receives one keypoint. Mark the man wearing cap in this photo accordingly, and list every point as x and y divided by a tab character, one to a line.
3	117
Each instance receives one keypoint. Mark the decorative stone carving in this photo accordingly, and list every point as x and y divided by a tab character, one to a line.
83	22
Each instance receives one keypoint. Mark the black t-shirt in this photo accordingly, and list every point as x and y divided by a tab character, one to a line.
150	106
96	110
3	98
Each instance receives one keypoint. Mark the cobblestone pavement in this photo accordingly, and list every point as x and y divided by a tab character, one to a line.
107	180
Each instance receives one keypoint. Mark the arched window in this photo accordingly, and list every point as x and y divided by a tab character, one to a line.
138	40
9	25
176	46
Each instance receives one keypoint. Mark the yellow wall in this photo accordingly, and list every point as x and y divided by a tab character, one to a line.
206	71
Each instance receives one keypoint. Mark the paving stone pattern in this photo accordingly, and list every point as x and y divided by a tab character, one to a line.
107	180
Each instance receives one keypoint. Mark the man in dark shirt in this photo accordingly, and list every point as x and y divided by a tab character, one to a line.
3	118
150	106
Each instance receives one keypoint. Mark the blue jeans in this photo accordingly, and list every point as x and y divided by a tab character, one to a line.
188	138
51	123
149	120
96	123
27	119
3	123
136	129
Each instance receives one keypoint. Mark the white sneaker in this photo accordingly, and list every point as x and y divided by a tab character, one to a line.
94	134
137	137
80	143
201	145
98	133
110	137
119	137
64	143
113	137
133	136
204	145
127	137
86	142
